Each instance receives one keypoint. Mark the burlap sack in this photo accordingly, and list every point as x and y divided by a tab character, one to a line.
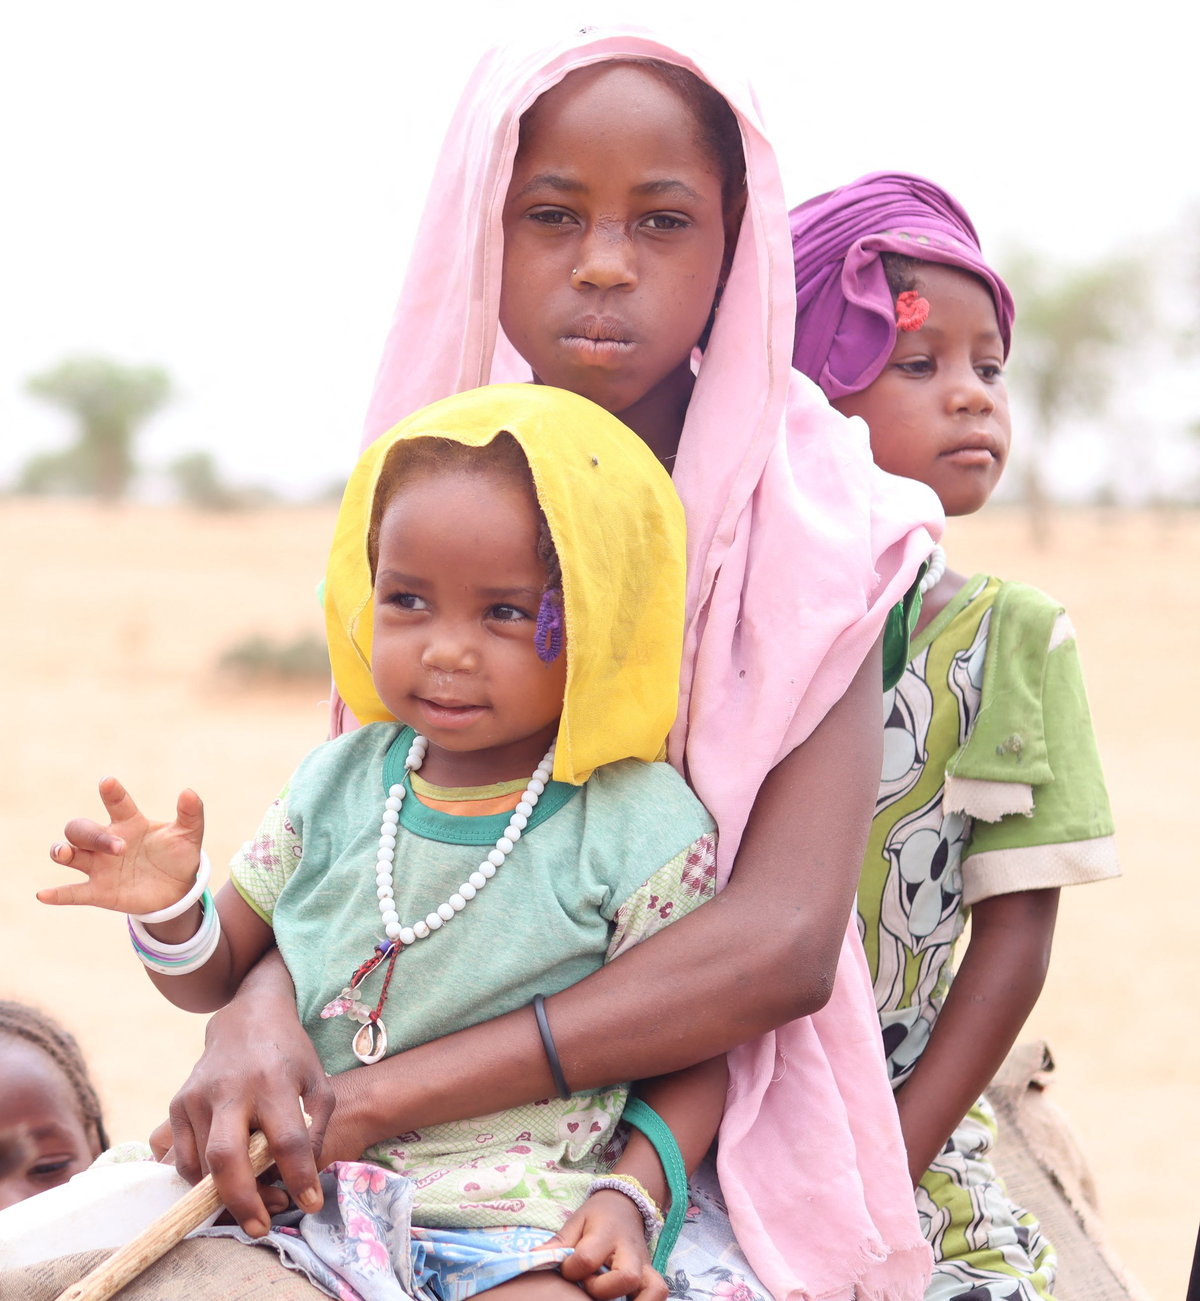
201	1269
1045	1171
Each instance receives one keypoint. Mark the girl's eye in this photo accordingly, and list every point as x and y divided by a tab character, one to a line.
990	371
48	1169
551	217
407	601
507	614
664	221
921	366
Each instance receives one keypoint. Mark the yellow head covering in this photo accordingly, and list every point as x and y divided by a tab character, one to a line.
618	527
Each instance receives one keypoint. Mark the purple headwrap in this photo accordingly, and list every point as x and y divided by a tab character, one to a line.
845	316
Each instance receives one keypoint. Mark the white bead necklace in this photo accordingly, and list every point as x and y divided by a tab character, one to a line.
370	1042
935	572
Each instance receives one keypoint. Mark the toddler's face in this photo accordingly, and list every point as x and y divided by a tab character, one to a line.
614	237
938	412
457	589
43	1139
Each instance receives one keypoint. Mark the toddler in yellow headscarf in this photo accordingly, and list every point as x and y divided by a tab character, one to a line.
504	602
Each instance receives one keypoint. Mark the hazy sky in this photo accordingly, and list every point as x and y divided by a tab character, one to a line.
228	188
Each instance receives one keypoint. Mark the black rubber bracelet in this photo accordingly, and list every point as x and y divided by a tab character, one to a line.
556	1070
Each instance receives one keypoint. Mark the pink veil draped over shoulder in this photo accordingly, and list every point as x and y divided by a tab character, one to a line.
797	548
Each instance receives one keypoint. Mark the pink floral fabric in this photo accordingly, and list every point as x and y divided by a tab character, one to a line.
363	1246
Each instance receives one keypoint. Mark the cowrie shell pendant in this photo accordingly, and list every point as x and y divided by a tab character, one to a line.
370	1043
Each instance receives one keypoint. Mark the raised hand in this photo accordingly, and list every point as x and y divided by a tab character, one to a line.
132	865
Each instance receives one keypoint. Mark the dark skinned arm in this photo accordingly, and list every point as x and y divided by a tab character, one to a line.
607	1232
715	979
994	991
691	1103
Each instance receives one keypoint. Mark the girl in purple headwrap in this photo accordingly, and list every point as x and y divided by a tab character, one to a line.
992	796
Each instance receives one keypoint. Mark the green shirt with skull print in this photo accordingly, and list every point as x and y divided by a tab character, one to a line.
991	784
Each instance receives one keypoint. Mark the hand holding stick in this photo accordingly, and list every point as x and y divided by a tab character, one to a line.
154	1241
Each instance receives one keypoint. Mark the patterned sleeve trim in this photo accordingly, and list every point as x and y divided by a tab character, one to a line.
676	889
264	865
1038	867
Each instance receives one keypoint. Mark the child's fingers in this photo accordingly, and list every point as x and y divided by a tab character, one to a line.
653	1286
568	1235
593	1250
83	833
117	800
623	1278
189	814
79	893
65	854
81	860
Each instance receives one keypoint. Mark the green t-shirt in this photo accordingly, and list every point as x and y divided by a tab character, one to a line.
991	784
598	868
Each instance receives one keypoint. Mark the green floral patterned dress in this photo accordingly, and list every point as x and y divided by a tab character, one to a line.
991	784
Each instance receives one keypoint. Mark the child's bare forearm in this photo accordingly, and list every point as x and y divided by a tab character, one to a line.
993	993
245	937
691	1102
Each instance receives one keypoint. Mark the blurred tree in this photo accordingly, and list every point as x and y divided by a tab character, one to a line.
199	483
259	659
110	402
1071	332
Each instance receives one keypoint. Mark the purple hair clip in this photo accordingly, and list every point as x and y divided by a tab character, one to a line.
548	638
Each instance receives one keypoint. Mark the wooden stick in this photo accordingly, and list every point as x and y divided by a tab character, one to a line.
156	1239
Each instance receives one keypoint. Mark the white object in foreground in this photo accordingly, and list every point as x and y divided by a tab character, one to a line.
102	1207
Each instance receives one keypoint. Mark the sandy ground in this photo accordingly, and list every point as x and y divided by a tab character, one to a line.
114	620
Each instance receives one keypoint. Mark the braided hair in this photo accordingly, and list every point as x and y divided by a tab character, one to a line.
19	1021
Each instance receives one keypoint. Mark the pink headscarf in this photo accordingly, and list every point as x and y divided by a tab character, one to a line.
812	546
845	315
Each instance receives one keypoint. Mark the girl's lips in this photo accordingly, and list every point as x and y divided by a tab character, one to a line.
597	350
970	457
975	450
597	338
449	716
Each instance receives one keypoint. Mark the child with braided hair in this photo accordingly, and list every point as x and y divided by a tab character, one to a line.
51	1126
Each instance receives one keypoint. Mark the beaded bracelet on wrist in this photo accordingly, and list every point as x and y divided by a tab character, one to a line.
652	1219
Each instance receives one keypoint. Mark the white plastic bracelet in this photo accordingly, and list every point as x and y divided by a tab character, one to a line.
168	914
176	952
179	959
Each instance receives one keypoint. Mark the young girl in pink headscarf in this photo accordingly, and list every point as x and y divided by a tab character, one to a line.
992	796
607	217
